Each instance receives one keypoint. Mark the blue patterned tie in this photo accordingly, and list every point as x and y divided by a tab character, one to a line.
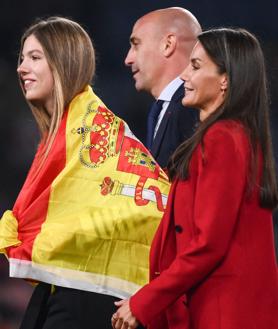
152	120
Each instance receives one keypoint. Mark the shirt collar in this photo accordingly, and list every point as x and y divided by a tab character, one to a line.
168	92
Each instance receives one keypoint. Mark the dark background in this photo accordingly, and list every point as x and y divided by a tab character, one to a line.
109	23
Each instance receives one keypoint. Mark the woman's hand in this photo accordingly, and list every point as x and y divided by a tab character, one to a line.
123	318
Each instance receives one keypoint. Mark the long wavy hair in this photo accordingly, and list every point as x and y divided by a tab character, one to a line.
71	57
237	53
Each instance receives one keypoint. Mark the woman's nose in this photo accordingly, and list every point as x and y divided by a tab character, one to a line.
22	68
184	74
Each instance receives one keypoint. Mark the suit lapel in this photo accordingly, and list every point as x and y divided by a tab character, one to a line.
160	132
163	125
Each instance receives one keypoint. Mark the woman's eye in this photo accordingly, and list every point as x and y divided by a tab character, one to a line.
34	57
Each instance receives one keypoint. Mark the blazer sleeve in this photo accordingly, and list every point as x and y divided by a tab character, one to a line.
220	188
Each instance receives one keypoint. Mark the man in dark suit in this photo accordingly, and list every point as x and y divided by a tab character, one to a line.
160	46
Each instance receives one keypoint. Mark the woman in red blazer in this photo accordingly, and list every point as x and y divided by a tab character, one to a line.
212	262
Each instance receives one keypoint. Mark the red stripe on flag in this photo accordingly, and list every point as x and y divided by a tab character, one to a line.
31	205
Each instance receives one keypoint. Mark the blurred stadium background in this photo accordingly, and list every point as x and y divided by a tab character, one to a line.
109	23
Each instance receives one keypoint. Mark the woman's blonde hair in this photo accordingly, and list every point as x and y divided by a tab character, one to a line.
70	55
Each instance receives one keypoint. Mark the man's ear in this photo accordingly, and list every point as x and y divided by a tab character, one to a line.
170	44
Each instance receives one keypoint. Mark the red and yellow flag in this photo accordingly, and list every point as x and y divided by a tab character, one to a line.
86	221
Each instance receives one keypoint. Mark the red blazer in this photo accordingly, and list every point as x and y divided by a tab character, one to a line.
212	261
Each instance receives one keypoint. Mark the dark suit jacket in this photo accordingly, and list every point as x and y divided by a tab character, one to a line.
214	244
178	124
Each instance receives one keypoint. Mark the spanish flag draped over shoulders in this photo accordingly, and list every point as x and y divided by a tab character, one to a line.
87	219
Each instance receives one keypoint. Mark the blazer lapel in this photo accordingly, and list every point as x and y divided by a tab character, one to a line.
160	133
163	125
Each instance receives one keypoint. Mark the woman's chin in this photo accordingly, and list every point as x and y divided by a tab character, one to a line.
185	102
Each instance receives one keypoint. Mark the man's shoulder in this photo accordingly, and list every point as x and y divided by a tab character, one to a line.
180	111
177	106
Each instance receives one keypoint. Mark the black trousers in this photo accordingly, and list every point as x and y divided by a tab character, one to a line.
68	309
